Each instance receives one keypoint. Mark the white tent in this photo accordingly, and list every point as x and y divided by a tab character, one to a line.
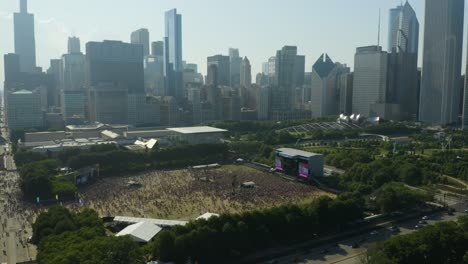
141	232
207	216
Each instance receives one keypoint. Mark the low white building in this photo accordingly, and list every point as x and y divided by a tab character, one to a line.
199	135
142	232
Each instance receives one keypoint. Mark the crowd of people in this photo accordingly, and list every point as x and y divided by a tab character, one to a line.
185	194
16	218
181	194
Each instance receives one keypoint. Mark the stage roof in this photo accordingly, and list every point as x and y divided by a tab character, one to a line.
289	152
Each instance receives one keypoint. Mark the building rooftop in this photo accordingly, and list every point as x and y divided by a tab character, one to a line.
159	222
23	92
141	232
85	127
289	152
197	130
110	134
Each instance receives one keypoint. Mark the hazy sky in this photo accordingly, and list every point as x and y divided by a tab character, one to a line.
257	27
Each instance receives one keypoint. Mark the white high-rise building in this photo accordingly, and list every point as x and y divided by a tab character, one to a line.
370	79
24	109
442	58
325	94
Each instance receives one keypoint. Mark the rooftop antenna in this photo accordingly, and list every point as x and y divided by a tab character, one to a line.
378	34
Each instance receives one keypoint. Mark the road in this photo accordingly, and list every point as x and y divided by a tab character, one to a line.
343	251
15	216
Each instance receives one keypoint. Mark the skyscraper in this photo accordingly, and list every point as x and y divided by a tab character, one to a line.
73	72
345	87
403	61
443	40
245	73
141	37
11	67
235	64
465	101
174	40
173	67
370	79
223	68
74	45
157	48
115	62
23	109
25	43
288	74
324	93
393	26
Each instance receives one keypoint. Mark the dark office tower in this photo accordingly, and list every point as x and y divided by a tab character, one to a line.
157	48
245	73
115	62
235	64
345	87
25	43
465	101
141	37
289	74
212	75
443	40
223	66
173	67
11	67
403	61
74	46
53	91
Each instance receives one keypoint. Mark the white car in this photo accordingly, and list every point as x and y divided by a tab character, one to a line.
373	233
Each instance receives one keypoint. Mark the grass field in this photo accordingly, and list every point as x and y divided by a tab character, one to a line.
186	194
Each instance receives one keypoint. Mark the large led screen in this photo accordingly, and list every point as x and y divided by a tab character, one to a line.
304	170
279	163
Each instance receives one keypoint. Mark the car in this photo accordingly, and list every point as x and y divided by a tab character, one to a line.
373	233
466	210
425	217
417	226
395	229
422	222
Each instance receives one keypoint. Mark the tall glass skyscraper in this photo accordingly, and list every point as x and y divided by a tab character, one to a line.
174	39
25	42
403	61
442	58
173	67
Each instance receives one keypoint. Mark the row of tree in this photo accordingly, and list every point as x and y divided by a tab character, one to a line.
445	242
40	177
69	238
235	235
38	180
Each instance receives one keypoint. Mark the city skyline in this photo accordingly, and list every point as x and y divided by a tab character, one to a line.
53	27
